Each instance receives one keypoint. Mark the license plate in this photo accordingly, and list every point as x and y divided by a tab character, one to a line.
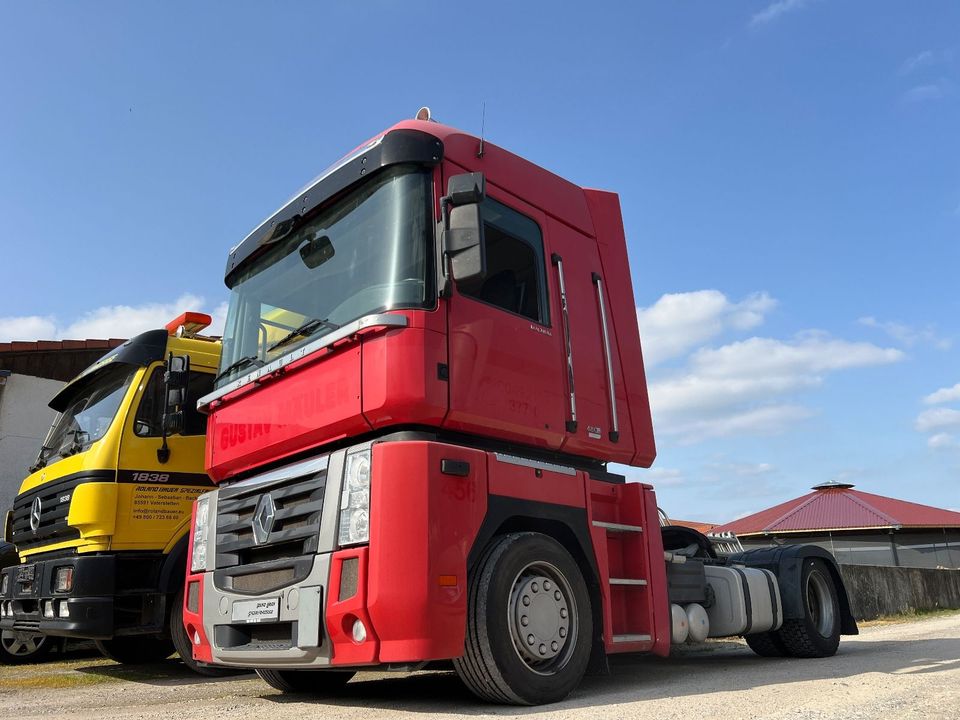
25	573
253	611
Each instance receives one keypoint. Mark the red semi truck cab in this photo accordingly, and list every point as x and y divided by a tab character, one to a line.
430	356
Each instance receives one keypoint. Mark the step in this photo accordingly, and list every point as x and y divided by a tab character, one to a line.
631	638
617	527
627	581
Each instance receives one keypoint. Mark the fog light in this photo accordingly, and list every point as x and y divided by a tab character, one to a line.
63	610
48	608
63	581
359	632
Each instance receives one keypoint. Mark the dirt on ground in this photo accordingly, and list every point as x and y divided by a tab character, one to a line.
891	670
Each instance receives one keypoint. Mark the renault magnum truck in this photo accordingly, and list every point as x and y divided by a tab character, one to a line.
431	356
101	522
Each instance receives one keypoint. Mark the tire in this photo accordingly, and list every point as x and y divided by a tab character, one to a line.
511	656
766	644
18	648
316	682
184	647
136	649
817	634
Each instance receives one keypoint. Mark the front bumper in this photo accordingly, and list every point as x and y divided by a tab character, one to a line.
85	611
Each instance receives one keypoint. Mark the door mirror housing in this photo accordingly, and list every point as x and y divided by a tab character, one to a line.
463	241
175	380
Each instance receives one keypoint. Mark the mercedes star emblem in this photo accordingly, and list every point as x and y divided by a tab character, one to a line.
35	514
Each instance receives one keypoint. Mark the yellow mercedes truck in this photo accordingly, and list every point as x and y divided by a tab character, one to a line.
101	521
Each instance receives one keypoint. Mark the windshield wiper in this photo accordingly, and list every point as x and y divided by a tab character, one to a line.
41	460
242	362
305	330
75	444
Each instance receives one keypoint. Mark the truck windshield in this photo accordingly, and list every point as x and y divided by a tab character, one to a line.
367	252
88	414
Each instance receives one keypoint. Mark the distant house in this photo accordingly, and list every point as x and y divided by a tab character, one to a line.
858	528
31	373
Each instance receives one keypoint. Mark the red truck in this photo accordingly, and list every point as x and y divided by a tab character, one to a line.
430	357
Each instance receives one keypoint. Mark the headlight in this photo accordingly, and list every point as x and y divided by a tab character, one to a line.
198	562
4	583
355	500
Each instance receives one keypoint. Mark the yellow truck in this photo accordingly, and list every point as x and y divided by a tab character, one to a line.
101	521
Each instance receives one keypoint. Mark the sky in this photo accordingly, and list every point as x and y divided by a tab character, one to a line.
789	173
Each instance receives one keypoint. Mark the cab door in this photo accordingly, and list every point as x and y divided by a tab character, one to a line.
505	345
154	498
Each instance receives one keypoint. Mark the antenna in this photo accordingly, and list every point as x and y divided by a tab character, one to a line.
483	120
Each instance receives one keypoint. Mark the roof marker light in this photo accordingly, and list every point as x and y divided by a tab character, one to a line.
189	323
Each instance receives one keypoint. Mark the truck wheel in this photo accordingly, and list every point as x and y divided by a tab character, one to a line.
529	623
136	649
817	634
317	682
17	647
766	644
184	646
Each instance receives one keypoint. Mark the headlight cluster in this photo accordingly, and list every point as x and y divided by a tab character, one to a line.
355	499
4	583
198	562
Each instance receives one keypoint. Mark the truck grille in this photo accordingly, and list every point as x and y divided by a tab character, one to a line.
54	505
293	532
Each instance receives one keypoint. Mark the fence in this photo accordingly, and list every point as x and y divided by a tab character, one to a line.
875	590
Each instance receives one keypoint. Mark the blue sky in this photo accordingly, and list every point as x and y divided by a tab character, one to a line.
788	171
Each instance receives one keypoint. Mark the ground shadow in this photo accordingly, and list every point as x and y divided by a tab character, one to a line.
721	667
168	673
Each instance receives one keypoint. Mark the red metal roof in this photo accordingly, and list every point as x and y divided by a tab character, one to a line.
703	527
840	507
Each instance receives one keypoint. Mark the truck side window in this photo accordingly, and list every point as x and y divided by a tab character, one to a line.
515	266
150	413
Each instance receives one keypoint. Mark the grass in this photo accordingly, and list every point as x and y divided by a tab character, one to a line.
52	680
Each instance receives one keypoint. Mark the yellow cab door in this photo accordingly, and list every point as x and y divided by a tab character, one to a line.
154	498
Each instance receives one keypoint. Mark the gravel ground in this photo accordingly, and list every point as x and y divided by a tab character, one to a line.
895	670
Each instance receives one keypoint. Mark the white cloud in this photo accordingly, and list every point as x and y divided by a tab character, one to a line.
921	59
738	388
663	477
776	10
930	91
943	395
29	327
110	321
678	322
742	469
943	441
219	316
938	419
906	334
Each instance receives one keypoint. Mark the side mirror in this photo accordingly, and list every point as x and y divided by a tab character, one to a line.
463	240
175	381
316	251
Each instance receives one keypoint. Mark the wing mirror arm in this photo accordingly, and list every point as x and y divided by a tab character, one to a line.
175	382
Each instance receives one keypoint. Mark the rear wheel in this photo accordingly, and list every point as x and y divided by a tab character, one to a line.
529	623
17	647
136	649
766	644
817	633
317	682
184	646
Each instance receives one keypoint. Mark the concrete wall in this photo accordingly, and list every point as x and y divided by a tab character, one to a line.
24	422
876	591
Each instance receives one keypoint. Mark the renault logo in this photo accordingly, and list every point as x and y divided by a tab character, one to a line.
35	514
263	518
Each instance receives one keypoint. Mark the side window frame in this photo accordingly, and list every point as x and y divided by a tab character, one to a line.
155	422
537	248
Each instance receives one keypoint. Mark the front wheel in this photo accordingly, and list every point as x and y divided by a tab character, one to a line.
184	645
529	623
18	647
817	633
317	682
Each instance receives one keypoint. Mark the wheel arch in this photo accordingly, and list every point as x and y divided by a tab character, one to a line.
565	524
174	566
787	564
